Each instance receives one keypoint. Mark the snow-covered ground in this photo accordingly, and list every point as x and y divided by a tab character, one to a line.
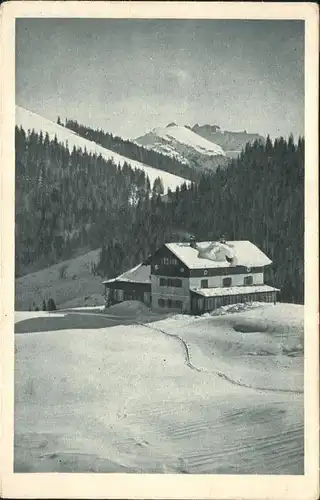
74	288
215	394
29	120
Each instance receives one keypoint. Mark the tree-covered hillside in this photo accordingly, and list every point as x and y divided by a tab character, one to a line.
132	150
61	198
259	197
66	201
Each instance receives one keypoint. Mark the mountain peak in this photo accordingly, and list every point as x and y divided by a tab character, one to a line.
211	128
185	145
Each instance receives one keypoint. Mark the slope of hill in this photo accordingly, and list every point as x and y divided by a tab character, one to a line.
185	136
232	142
70	284
29	121
183	144
240	397
130	149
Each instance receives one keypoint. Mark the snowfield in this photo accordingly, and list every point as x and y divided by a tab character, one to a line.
220	394
186	136
180	143
29	120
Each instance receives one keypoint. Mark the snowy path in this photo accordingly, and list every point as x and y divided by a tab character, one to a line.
187	352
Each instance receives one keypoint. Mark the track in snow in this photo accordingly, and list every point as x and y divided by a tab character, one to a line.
221	375
181	341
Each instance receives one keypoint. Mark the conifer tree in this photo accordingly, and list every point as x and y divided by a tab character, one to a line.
51	305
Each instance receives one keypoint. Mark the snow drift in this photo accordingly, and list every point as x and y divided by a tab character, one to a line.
183	395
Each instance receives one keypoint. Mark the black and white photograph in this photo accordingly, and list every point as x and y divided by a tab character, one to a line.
159	245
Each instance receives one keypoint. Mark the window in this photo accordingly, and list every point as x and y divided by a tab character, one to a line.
170	304
178	304
177	283
170	282
209	304
169	261
248	280
119	294
204	283
200	304
226	282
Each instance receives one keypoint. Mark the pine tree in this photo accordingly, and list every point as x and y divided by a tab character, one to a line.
51	305
158	186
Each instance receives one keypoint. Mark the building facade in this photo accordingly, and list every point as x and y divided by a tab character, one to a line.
131	285
194	277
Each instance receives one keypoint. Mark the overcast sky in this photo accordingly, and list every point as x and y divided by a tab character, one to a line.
129	76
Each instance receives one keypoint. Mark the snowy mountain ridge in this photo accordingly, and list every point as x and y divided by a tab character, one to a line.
29	121
183	144
185	136
231	142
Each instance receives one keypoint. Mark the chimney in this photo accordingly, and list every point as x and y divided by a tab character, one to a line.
192	242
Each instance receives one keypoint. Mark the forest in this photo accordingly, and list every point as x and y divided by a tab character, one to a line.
259	197
68	202
61	197
133	151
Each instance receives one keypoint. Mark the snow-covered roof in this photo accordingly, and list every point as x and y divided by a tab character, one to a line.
138	274
234	290
212	254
